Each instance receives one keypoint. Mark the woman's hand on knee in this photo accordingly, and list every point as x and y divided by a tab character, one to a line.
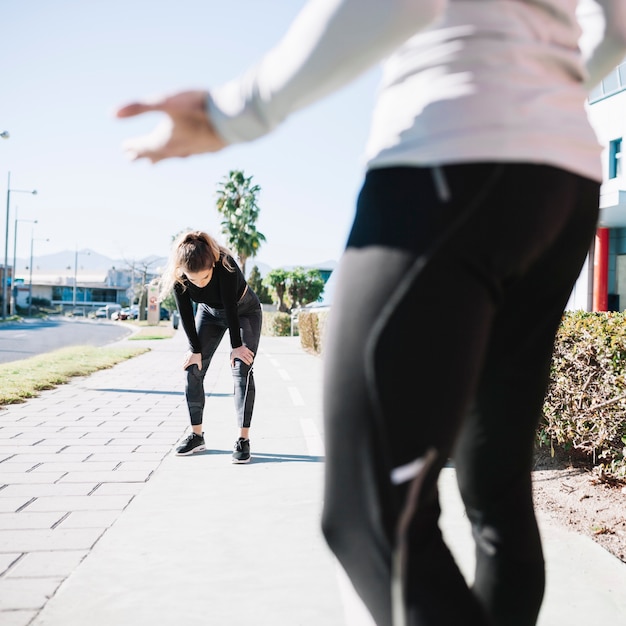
192	358
243	353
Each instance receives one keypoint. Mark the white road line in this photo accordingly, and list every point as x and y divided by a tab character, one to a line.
312	437
296	398
284	374
353	608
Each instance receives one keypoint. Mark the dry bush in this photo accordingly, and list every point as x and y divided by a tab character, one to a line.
276	324
585	407
311	325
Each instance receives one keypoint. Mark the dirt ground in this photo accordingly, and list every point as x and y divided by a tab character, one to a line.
574	498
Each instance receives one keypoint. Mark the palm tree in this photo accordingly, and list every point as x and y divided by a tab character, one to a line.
237	202
304	286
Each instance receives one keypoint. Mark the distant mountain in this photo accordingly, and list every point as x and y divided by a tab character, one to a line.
324	265
92	261
88	260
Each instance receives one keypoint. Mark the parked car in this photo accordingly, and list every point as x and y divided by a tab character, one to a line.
132	313
106	312
127	313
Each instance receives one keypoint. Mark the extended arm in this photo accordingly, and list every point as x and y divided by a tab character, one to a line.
605	36
330	43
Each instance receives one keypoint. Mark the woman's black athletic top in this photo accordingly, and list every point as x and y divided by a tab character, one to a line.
222	292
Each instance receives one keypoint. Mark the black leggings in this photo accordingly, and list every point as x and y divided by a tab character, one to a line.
439	345
211	325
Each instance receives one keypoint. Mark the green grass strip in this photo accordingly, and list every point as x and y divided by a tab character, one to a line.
20	380
145	331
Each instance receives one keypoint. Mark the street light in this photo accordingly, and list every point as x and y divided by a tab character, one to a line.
13	285
30	279
5	134
75	275
5	274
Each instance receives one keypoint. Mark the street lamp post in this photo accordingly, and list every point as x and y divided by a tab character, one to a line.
30	267
13	285
75	277
5	275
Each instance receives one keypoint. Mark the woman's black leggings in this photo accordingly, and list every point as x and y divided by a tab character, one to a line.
439	345
211	325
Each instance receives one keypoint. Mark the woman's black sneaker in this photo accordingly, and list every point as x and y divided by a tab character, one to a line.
241	453
193	443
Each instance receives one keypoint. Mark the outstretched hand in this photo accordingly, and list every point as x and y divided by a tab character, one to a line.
186	130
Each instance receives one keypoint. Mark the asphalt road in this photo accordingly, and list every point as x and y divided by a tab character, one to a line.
20	340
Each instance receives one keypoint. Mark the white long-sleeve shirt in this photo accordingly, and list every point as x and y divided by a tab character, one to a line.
463	80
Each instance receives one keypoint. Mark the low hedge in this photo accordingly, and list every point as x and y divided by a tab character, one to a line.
585	407
311	325
276	324
584	414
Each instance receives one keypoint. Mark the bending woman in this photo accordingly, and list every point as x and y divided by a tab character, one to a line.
202	271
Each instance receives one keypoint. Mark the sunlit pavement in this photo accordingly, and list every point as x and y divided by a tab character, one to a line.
101	524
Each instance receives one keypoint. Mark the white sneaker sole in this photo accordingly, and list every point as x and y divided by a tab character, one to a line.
200	448
242	461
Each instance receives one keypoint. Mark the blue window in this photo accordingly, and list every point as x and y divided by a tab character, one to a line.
615	158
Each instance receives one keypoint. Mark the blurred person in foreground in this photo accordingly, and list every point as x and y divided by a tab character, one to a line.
478	207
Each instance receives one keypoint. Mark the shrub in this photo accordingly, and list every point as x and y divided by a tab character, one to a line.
585	406
276	324
43	302
311	325
304	286
256	283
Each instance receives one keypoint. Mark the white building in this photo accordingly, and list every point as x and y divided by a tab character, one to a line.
602	283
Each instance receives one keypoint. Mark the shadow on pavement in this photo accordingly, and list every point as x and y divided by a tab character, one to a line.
164	393
261	457
153	391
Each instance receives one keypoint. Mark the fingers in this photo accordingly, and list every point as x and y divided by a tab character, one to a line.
154	103
243	354
192	359
185	131
134	108
152	146
186	102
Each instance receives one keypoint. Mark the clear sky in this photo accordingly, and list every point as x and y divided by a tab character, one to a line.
67	64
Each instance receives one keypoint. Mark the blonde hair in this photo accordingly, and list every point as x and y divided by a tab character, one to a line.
192	251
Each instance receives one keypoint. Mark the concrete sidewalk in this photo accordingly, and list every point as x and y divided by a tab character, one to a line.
101	524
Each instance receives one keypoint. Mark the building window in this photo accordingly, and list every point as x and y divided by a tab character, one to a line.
612	83
615	158
104	295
